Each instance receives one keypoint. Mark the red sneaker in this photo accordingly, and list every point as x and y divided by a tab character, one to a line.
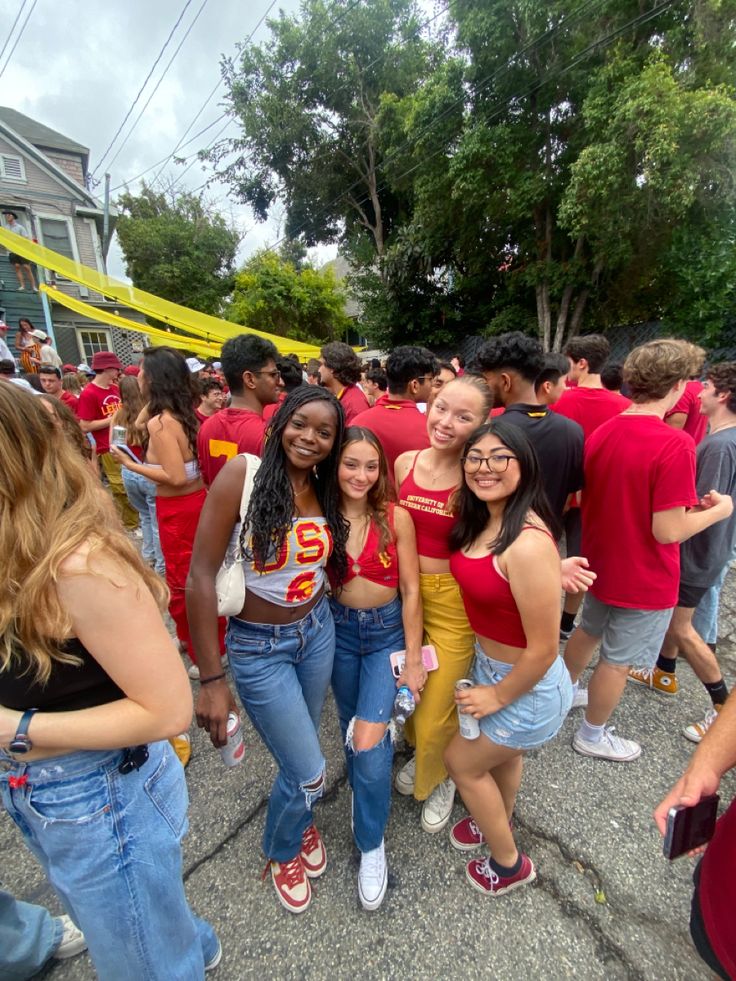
485	880
466	835
291	884
313	854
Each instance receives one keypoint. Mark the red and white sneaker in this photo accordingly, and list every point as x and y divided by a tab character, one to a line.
313	853
482	877
466	835
291	884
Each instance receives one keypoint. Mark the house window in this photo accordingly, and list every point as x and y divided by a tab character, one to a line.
12	168
92	341
56	235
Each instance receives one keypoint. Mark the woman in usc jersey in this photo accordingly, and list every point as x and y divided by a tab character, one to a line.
505	559
371	622
282	643
91	686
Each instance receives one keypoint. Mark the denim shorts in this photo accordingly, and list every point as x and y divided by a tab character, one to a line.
630	638
536	716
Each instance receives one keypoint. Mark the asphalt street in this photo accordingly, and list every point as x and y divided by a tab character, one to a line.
606	903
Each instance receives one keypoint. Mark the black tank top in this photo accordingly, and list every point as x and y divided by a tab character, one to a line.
70	686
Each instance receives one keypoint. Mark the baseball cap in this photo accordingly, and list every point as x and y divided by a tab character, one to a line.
104	360
194	364
84	368
3	325
132	369
69	369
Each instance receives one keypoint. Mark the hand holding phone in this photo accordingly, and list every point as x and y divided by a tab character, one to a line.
689	828
429	660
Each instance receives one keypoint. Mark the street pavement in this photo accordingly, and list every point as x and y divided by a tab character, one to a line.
606	904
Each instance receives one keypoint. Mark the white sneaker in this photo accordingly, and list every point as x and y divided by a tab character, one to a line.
579	697
608	747
404	781
193	670
215	959
438	807
696	730
372	877
72	940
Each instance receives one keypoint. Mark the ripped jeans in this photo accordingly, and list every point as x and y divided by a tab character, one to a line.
365	689
282	673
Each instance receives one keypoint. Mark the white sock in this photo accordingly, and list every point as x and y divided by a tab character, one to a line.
575	686
593	734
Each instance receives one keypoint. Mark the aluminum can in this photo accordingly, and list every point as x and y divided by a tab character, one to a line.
233	752
469	727
119	436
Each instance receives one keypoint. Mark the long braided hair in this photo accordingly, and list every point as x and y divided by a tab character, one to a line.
271	506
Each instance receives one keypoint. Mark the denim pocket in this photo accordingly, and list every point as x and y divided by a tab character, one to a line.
79	801
240	646
167	789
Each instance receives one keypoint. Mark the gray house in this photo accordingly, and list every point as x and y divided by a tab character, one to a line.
43	179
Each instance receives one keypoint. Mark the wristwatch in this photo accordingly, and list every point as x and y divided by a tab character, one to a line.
21	741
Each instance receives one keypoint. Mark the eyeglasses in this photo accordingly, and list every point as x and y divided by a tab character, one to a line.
496	463
273	372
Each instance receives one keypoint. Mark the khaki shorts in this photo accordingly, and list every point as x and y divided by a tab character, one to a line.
632	638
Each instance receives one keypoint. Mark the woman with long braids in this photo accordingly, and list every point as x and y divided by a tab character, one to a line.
90	687
505	558
282	642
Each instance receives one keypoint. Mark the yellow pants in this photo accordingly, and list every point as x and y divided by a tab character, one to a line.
434	722
112	471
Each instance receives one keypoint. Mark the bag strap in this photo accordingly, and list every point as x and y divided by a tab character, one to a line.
252	464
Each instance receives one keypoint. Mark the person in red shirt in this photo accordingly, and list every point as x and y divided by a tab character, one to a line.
395	418
99	401
639	504
249	365
212	399
588	404
50	377
339	370
686	414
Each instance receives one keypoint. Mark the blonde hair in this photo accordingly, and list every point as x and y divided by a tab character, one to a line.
50	506
653	368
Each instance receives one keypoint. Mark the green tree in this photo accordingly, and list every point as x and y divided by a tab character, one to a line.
177	247
272	295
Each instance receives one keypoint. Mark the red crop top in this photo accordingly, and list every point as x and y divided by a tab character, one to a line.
431	514
381	568
487	597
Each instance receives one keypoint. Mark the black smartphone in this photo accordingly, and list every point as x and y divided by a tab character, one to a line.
690	827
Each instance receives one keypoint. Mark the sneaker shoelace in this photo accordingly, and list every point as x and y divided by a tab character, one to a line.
615	742
292	871
474	829
371	864
310	840
484	869
443	792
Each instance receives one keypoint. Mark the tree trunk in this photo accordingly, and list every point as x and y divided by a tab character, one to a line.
544	314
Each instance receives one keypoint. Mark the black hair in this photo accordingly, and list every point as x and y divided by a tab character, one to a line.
446	366
406	363
271	505
171	387
378	377
31	325
593	347
49	369
291	373
472	513
7	367
207	384
460	360
246	352
514	350
555	366
612	376
342	360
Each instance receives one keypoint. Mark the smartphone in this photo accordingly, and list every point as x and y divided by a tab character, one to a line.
429	659
690	827
127	449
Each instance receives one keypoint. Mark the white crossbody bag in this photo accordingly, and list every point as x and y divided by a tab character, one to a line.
230	579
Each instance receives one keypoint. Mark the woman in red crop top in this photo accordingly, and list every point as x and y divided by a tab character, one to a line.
281	645
97	794
371	622
506	562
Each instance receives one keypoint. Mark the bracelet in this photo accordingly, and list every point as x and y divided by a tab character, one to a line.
214	677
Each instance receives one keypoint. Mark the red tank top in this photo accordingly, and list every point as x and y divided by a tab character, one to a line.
487	597
381	568
431	514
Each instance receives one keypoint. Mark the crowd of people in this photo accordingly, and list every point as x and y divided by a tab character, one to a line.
392	526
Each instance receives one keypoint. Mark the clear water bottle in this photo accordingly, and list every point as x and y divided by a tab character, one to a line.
404	705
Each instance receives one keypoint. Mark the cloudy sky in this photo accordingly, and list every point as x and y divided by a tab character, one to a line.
78	66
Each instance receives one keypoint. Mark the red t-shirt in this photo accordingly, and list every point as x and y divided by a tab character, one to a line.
353	401
269	411
224	435
99	403
70	400
635	465
590	407
695	423
399	426
718	890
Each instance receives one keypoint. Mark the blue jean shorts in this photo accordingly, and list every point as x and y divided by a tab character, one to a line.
536	716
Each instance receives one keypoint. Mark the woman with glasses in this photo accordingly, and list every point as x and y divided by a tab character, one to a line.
505	559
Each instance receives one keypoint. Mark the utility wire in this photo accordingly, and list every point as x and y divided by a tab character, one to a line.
10	32
133	104
20	35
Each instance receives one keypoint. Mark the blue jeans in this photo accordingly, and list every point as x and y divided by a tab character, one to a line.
142	495
110	845
705	618
365	689
29	935
282	672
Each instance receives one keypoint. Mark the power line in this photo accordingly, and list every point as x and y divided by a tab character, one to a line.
196	155
159	56
20	35
10	32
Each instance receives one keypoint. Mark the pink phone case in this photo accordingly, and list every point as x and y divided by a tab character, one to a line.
429	659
